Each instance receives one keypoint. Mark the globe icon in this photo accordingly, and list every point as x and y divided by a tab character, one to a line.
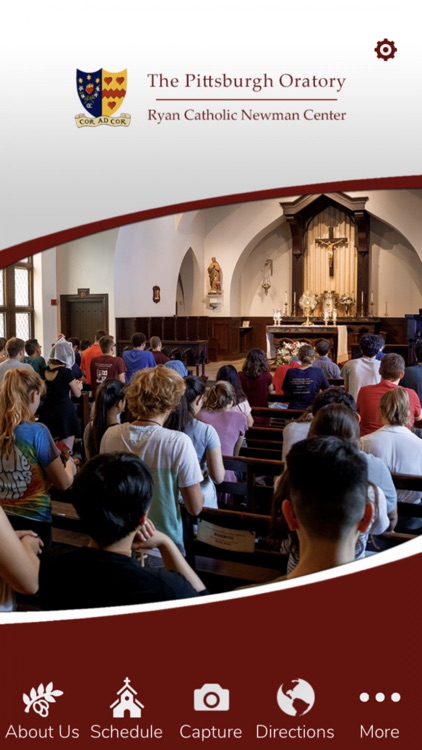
295	697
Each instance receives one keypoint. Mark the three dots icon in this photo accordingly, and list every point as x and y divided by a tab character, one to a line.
379	697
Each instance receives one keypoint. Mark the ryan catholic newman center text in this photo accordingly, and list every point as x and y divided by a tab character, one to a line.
248	115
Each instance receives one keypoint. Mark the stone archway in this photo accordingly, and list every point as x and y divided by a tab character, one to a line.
187	284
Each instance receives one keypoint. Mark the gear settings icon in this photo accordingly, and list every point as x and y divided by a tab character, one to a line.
385	50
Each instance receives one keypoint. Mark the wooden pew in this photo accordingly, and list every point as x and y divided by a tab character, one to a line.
274	397
265	438
276	417
263	443
236	552
83	408
247	494
264	450
408	482
221	561
67	526
405	510
387	540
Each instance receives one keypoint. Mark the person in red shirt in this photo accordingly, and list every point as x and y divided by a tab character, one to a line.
88	354
156	346
280	374
107	367
368	402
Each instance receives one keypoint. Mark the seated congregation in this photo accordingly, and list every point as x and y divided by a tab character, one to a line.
162	455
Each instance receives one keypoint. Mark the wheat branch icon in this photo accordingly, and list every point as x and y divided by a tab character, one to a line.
39	699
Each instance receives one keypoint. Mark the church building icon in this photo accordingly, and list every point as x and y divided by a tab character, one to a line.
127	704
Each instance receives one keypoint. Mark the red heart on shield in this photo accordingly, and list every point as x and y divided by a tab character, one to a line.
108	80
120	79
111	104
89	88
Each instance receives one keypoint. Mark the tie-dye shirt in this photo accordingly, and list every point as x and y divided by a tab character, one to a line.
23	481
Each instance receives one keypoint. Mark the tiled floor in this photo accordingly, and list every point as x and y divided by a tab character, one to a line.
212	368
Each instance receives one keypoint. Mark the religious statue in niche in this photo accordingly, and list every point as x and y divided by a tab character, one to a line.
214	272
330	243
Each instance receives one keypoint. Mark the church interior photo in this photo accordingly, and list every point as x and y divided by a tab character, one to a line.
214	284
152	276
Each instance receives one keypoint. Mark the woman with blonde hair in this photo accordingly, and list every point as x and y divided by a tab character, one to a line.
29	460
151	396
394	443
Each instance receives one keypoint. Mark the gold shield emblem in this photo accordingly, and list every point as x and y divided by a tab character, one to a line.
114	86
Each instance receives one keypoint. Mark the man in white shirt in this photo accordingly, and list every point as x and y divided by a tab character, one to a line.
365	369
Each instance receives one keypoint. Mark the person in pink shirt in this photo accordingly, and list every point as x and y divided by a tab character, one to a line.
368	401
229	425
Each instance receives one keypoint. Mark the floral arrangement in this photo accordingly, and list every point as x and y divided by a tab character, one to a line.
347	299
287	351
310	300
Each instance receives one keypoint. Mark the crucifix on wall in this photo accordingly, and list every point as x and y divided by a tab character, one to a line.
330	243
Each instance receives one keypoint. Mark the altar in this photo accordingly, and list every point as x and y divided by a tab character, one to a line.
336	335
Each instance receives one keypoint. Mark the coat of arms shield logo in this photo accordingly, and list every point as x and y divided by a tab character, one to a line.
101	92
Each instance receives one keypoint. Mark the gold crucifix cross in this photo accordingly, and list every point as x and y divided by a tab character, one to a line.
330	243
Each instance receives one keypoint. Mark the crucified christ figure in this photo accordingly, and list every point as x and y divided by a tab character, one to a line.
330	243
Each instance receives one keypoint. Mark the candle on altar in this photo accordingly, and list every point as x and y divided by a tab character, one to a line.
285	296
361	298
372	297
294	298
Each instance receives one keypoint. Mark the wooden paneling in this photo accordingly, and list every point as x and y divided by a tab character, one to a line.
156	327
227	340
202	327
395	328
180	328
168	329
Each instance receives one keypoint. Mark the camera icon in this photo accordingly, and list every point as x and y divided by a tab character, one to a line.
211	697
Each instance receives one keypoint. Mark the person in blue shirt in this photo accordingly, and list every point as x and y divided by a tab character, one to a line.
137	358
302	384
